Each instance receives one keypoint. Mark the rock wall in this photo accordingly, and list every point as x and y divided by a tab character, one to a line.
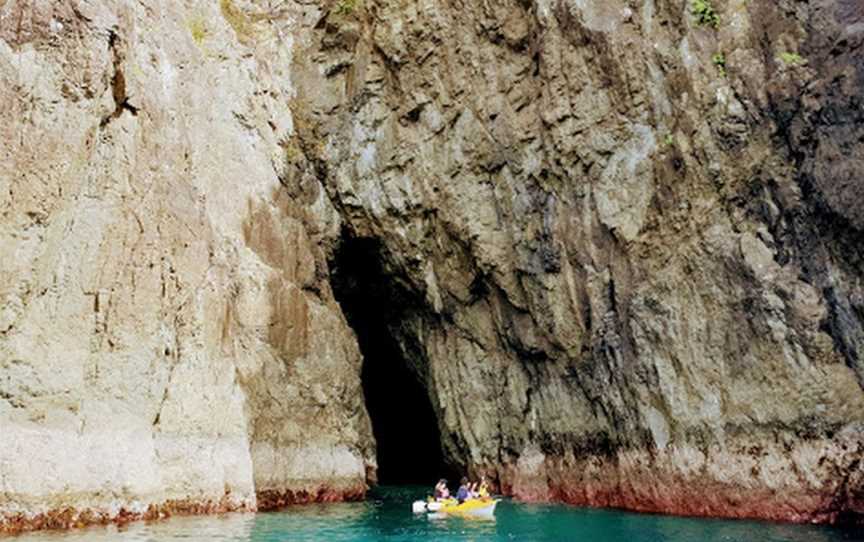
634	242
168	339
634	231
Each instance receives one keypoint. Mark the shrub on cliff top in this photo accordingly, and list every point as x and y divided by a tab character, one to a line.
346	7
705	13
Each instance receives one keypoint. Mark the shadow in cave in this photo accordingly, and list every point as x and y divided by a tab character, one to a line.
403	421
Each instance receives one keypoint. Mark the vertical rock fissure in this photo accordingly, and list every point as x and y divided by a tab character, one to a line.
378	305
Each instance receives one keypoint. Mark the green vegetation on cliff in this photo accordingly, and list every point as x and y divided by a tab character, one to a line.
705	13
719	61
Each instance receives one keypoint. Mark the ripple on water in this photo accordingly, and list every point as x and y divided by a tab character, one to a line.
387	516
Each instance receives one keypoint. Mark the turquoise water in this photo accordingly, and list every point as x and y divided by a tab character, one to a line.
387	516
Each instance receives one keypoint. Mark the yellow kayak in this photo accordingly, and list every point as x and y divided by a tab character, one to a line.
484	508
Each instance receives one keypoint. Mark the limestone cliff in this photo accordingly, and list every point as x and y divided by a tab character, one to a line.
630	233
168	340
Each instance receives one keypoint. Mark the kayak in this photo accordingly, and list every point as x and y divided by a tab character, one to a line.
479	508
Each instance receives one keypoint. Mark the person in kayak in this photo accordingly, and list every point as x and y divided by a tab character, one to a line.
464	493
441	490
483	490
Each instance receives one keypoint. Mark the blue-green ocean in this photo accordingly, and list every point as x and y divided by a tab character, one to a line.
387	516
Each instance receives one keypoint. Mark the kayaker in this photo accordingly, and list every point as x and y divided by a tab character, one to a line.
441	490
464	493
483	490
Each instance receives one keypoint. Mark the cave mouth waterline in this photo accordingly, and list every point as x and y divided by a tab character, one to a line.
404	423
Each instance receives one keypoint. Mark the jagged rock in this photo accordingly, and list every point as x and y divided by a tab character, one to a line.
661	255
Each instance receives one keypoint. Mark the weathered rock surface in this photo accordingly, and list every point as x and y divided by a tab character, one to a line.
167	339
638	274
645	274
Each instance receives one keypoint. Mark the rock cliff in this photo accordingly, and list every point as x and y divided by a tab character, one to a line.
619	243
168	340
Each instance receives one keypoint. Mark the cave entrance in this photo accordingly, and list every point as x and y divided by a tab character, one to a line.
403	420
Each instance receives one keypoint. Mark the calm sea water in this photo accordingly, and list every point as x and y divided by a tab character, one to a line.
387	516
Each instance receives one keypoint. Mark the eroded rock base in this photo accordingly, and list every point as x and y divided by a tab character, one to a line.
273	500
68	518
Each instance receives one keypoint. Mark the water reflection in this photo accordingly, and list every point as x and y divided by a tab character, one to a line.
225	528
387	516
667	528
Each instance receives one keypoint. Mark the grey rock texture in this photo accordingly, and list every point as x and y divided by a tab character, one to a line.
635	277
635	241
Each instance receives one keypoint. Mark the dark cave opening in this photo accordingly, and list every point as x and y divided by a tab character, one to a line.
403	420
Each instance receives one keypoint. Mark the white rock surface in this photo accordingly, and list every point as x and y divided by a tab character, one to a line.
161	315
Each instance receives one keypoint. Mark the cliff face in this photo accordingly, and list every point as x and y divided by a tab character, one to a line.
168	340
625	248
633	240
